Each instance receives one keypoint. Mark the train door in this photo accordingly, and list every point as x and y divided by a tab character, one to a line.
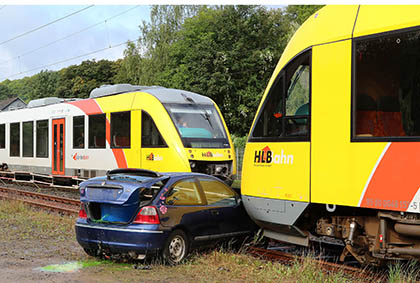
154	149
277	156
58	138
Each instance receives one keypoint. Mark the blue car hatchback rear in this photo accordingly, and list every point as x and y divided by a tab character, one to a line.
134	212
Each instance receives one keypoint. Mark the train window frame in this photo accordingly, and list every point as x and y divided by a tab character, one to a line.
353	126
284	77
14	140
2	136
42	141
28	141
79	141
164	145
114	136
91	137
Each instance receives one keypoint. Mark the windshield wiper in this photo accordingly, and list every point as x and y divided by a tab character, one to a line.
207	117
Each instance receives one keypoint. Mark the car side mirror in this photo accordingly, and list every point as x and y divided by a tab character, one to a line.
238	200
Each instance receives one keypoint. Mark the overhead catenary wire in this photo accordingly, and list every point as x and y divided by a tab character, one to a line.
69	35
68	59
45	25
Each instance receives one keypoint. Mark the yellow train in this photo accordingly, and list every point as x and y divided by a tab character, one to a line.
334	150
118	126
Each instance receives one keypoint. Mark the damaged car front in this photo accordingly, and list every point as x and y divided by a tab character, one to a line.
117	216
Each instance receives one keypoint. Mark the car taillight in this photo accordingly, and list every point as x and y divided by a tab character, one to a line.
82	212
147	215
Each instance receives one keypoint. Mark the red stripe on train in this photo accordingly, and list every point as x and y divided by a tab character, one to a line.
90	107
396	179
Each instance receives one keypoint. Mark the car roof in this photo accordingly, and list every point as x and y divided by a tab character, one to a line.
146	179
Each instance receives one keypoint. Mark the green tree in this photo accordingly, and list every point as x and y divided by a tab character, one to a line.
228	54
80	80
300	13
44	84
130	67
157	37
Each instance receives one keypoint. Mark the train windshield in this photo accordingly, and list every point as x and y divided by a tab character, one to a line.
199	125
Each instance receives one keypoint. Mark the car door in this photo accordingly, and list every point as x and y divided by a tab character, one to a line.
223	206
186	206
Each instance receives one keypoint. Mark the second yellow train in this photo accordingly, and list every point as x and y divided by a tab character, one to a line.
119	126
334	151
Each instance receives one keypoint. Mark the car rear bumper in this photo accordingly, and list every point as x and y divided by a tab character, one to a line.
120	239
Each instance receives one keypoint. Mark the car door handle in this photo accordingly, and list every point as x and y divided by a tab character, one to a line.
214	212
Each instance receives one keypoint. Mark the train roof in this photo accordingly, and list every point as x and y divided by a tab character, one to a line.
170	95
164	95
335	23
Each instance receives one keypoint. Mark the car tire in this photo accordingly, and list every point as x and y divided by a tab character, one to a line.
176	247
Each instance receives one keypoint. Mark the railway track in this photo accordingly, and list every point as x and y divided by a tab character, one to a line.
45	201
328	267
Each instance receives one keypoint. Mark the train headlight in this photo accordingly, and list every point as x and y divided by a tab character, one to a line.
192	164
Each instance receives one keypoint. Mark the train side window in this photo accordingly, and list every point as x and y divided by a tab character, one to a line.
42	138
120	129
28	139
14	139
79	132
97	129
269	123
386	92
2	136
286	111
150	135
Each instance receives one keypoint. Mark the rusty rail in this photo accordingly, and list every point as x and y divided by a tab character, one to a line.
326	266
45	201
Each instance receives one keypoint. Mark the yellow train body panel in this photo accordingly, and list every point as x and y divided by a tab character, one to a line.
374	19
339	168
283	173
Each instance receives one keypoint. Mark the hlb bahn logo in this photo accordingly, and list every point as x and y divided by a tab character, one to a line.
154	157
211	154
266	156
207	154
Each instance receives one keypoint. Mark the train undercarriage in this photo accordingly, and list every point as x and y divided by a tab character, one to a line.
372	237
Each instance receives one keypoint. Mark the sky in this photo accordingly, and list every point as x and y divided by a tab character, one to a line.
30	53
27	47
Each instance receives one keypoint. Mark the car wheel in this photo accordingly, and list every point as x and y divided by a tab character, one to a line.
176	247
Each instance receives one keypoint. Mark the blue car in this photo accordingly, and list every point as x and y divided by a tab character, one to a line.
139	212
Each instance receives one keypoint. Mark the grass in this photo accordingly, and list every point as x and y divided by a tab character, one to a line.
20	223
403	272
23	222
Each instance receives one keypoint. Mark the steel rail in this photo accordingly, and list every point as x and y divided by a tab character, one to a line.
45	201
328	267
